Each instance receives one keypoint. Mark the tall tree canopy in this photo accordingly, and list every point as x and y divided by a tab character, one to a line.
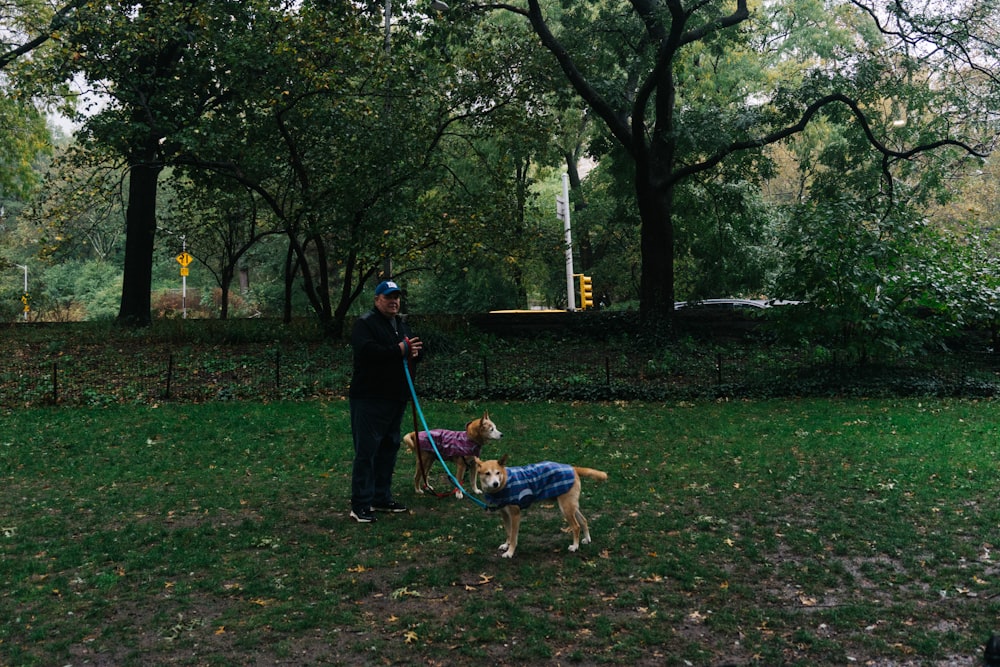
334	120
642	68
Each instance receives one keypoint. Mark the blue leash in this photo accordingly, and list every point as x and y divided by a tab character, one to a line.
416	406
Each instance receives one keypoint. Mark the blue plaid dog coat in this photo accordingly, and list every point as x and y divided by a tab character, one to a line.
538	481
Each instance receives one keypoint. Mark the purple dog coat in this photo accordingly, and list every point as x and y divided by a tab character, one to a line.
449	443
538	481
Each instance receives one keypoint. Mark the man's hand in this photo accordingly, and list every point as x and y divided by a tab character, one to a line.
413	344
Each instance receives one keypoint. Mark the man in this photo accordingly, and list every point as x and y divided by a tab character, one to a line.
379	392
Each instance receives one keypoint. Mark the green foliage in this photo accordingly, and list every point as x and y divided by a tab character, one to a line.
24	141
609	224
80	290
434	148
874	284
475	288
724	240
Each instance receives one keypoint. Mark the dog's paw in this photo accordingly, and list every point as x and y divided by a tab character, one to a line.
459	494
504	546
507	554
585	540
574	547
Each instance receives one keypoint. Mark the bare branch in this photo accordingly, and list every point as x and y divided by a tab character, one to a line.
952	35
888	154
58	19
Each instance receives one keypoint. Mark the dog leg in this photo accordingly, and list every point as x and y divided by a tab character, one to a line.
421	477
574	526
410	442
418	476
475	478
460	476
505	518
586	528
511	516
569	504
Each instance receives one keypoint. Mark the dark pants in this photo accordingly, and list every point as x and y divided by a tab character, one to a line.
375	424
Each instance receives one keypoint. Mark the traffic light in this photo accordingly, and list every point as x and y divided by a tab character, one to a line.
586	293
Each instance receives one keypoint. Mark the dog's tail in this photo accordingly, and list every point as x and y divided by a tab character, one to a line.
591	473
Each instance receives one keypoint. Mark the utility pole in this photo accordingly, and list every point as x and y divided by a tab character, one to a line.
562	210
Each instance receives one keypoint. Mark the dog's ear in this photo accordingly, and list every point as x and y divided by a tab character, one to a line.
502	460
486	415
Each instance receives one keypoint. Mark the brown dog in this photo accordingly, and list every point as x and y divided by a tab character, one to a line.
515	488
459	447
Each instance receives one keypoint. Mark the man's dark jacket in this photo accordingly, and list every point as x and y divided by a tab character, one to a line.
378	364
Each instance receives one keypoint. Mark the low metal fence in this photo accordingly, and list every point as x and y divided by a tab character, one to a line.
585	372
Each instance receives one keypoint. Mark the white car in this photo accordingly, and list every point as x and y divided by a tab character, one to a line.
723	305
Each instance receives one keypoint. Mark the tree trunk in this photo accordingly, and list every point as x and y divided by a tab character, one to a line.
348	292
224	284
291	267
140	233
656	286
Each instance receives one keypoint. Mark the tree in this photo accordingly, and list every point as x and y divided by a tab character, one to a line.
24	139
80	214
28	25
495	163
159	68
653	53
312	143
24	136
345	146
220	224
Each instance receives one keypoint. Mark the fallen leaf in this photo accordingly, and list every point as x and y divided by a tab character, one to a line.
404	592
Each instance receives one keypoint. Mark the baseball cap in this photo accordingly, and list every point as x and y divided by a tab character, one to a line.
387	287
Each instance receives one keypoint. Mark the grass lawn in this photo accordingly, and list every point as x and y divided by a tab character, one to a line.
813	532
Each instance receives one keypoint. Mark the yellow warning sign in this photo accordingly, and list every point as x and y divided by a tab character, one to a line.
184	259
